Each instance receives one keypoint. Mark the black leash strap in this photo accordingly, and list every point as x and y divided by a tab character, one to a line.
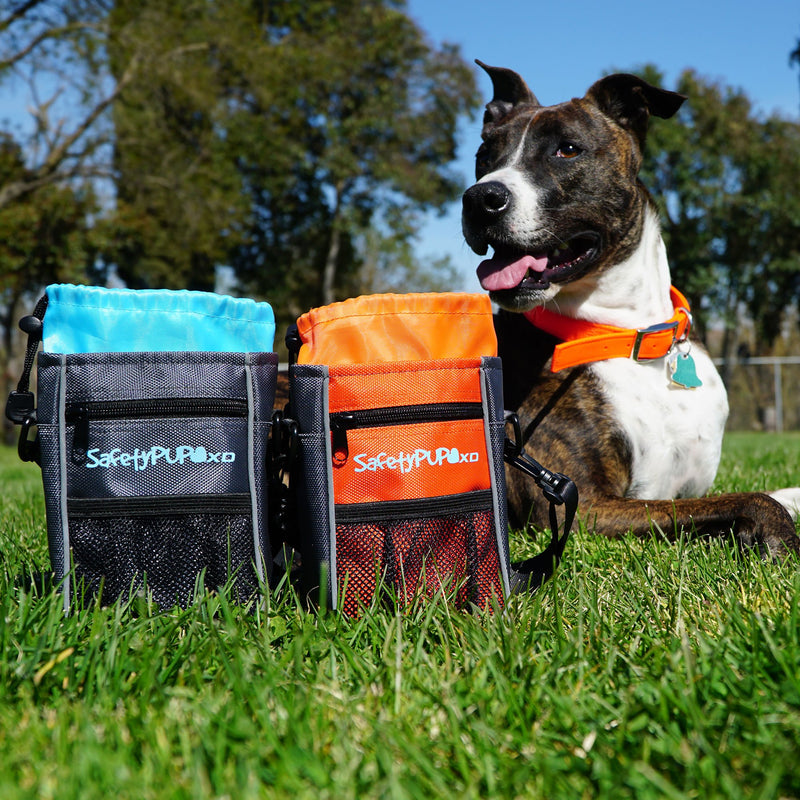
21	404
558	489
283	461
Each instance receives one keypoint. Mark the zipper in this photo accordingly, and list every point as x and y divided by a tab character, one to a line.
80	413
343	421
159	505
423	508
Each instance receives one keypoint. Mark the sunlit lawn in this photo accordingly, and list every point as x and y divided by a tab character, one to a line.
643	670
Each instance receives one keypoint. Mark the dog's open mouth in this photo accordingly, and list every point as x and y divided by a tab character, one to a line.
509	269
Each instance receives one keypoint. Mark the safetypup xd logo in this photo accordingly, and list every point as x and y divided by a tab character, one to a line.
142	459
407	462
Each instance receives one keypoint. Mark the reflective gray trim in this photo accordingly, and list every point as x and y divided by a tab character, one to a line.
333	591
251	471
62	477
500	535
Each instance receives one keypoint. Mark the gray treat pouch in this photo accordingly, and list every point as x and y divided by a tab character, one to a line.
154	467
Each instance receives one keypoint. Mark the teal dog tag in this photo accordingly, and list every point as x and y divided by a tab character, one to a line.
683	371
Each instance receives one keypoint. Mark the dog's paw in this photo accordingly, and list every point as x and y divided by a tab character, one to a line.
789	499
777	548
769	528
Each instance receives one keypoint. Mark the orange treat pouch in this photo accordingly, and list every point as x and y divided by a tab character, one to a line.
401	483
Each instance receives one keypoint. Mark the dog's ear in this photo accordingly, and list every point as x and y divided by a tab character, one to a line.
630	101
509	91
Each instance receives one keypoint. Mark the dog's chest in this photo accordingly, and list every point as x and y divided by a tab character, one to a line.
675	434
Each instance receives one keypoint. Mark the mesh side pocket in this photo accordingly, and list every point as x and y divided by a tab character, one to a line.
416	551
166	551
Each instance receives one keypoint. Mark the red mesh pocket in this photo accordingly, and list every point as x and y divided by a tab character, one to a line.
406	556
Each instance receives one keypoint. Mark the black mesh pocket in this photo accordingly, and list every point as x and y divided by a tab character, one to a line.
164	543
418	547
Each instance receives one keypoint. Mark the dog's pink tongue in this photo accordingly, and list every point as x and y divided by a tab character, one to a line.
502	273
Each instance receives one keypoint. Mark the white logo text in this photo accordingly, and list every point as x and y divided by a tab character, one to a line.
406	462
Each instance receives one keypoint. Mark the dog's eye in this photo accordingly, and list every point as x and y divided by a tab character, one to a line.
568	150
481	159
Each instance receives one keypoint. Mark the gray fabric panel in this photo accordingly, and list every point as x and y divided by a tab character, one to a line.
62	481
310	409
264	370
47	390
211	455
492	395
258	550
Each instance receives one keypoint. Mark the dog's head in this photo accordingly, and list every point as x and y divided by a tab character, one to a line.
557	195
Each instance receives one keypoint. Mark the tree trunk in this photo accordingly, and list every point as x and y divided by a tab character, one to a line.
730	337
12	367
332	256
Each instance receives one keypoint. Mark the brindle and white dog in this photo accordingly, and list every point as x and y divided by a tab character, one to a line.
573	230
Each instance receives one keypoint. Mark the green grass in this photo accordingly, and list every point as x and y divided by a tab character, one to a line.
643	670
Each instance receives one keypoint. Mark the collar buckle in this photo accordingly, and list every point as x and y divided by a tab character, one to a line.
658	328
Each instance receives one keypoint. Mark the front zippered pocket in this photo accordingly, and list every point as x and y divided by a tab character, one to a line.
80	413
343	421
408	452
170	445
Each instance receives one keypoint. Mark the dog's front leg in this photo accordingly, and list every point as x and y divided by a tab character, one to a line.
756	520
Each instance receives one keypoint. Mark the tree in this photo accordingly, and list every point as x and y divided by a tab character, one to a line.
725	178
325	117
55	163
284	140
179	194
44	238
384	120
55	48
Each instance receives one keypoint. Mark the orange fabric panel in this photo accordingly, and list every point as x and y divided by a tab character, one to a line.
398	327
356	387
410	462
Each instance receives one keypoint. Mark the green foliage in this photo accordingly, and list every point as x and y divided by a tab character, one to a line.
179	198
41	239
293	143
726	181
373	109
645	670
270	137
44	238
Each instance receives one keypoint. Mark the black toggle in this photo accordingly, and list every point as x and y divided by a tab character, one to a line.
19	406
31	325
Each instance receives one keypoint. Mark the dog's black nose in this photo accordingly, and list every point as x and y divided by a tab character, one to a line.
486	201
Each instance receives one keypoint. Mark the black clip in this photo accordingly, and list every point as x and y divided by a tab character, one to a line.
557	488
19	406
283	454
28	449
285	439
293	342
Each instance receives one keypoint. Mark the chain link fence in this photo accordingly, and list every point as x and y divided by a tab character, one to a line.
764	393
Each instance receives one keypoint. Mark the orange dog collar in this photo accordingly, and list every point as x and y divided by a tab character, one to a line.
586	342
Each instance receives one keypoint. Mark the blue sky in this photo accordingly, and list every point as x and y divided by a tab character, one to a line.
561	48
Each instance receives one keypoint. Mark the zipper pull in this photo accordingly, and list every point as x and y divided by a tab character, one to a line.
339	425
80	437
